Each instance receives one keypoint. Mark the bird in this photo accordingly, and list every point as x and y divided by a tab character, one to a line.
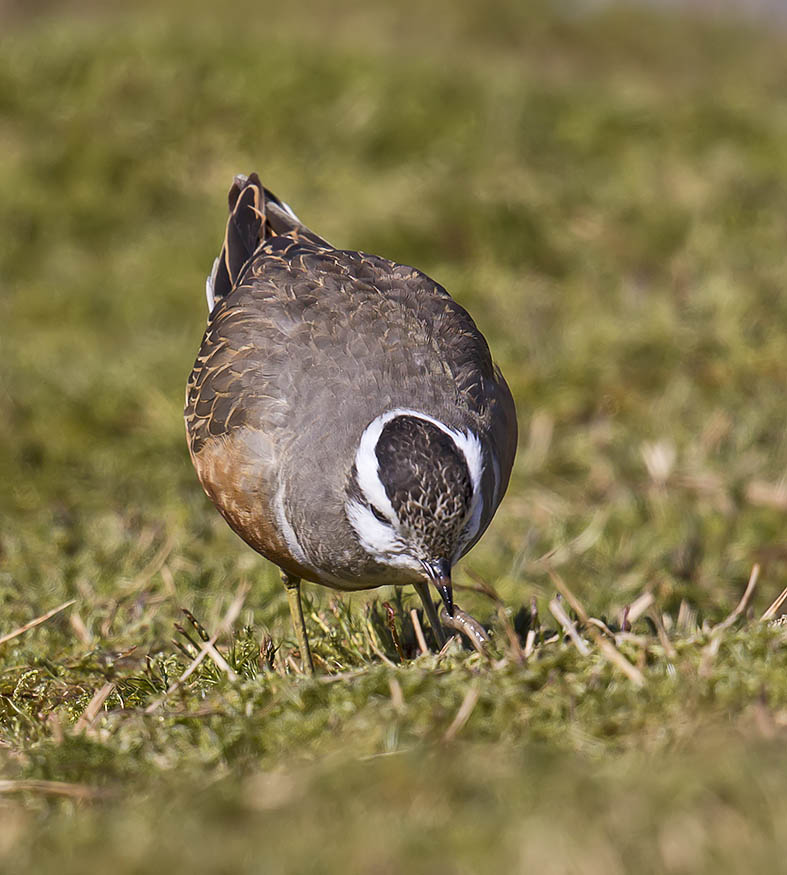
343	414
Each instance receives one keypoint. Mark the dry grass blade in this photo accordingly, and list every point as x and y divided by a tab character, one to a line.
229	618
94	706
463	714
213	653
454	639
397	696
481	586
763	494
37	622
513	639
562	617
220	661
419	632
341	676
602	627
576	604
52	788
711	649
709	654
743	603
638	607
606	647
669	650
294	666
617	659
79	627
770	613
187	673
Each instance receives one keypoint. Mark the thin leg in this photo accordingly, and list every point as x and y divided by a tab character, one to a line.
293	587
426	600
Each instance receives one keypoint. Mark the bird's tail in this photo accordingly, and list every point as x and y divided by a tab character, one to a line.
256	214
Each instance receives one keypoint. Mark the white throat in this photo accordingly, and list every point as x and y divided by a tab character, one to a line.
376	537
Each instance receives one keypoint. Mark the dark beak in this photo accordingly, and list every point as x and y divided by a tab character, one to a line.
439	572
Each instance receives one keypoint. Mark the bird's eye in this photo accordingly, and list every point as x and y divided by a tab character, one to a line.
378	515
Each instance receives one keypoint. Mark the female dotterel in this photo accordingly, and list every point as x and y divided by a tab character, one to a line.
343	414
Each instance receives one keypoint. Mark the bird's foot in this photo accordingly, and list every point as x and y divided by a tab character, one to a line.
467	625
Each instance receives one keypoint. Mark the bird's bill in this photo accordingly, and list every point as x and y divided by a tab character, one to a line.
439	573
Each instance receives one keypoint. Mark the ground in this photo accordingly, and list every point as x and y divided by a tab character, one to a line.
606	191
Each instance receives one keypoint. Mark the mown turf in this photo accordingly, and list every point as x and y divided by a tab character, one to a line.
607	193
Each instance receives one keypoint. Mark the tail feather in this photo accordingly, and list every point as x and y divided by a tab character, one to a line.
255	215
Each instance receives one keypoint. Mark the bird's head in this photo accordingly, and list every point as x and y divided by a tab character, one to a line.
413	494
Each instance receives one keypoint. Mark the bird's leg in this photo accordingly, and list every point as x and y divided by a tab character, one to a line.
422	589
293	587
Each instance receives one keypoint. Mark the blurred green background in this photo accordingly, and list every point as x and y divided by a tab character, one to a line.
605	189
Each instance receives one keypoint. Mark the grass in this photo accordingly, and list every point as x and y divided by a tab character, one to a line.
606	191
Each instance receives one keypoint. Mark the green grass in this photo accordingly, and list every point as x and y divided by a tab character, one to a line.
607	194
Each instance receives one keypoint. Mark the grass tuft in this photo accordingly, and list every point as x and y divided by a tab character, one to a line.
605	189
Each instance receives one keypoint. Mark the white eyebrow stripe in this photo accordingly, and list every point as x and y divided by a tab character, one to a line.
367	467
466	442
